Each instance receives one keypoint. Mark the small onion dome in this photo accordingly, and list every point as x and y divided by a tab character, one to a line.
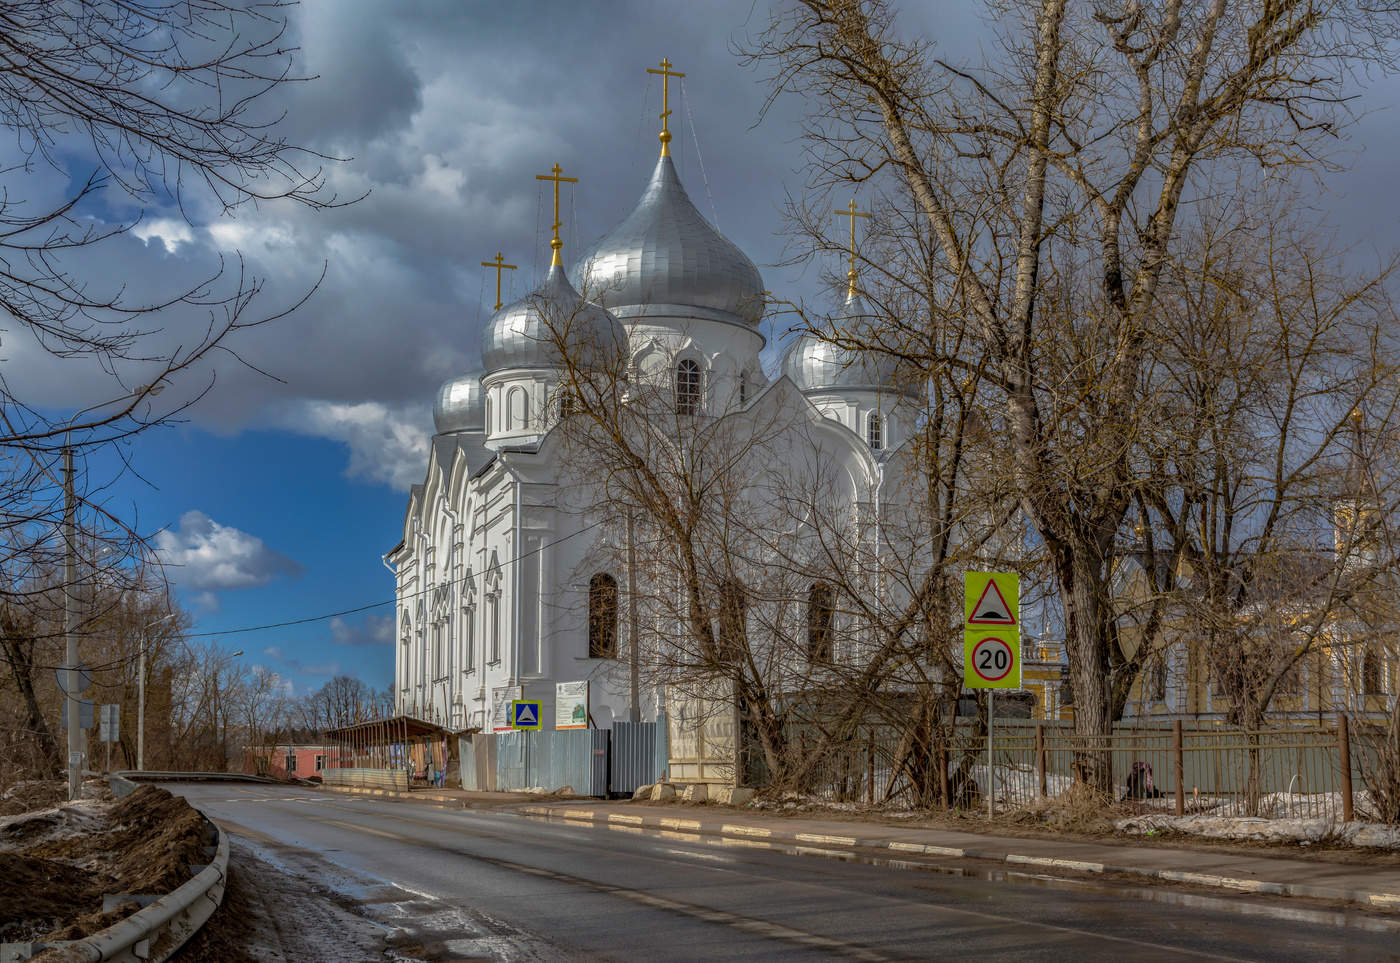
460	405
817	365
524	334
665	260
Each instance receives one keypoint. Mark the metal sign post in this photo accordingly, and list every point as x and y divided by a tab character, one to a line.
991	648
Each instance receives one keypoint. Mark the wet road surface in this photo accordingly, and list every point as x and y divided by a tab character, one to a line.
472	884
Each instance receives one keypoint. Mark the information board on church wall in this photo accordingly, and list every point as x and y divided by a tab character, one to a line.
501	698
571	705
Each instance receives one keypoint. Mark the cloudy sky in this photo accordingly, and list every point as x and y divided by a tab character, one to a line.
276	499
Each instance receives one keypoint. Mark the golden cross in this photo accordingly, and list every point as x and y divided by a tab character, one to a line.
852	213
556	244
499	264
666	74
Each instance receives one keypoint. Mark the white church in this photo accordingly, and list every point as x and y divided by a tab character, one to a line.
497	593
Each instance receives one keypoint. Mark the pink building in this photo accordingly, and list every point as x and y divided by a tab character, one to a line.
288	761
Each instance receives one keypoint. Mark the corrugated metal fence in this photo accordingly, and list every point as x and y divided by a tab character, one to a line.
578	759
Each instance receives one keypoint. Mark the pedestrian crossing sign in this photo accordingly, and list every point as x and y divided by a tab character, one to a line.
526	714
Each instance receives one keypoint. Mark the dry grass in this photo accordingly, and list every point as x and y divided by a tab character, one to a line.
1079	809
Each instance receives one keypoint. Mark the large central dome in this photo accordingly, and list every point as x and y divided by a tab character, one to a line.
666	260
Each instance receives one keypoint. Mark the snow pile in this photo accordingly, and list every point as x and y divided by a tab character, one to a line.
1285	829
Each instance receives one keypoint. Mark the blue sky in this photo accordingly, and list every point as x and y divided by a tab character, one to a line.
276	499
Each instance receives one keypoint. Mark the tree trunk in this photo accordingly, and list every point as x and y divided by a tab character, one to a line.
22	670
1087	614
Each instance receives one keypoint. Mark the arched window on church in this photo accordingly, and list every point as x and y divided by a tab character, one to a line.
688	387
517	415
469	639
743	387
439	650
493	624
1372	672
1157	678
568	404
875	432
489	426
602	616
732	630
820	614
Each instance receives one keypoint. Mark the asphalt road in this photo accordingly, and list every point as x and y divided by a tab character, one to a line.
474	884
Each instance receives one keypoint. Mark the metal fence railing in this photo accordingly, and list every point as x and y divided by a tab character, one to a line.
1304	772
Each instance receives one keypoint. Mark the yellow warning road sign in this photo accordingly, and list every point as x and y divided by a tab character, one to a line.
992	630
992	600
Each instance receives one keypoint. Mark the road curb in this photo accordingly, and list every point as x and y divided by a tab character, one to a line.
427	799
740	832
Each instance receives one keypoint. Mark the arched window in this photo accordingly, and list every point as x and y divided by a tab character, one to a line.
469	639
517	414
1372	676
489	426
602	616
820	613
743	387
1157	679
567	403
493	624
688	388
439	649
732	629
875	432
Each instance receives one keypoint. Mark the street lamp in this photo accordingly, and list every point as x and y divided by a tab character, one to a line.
141	693
76	736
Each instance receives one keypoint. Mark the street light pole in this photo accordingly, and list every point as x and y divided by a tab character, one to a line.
77	737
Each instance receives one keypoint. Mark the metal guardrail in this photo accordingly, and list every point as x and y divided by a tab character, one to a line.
153	934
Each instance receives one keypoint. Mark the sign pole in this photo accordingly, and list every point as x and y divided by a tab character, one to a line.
991	773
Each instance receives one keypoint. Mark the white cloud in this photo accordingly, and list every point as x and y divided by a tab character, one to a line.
203	555
387	443
372	630
168	230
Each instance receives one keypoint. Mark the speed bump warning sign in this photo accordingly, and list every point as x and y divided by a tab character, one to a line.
992	630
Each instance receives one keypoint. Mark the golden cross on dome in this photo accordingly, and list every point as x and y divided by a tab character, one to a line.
500	265
555	243
852	213
666	74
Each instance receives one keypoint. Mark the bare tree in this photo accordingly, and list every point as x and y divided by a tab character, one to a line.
1087	133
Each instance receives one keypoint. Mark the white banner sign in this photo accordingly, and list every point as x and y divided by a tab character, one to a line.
501	699
571	705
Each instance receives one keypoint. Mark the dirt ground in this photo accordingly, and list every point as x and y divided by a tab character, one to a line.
270	916
57	863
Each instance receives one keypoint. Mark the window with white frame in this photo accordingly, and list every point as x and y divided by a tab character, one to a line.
875	432
688	387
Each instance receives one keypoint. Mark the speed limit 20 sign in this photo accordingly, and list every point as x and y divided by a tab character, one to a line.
992	631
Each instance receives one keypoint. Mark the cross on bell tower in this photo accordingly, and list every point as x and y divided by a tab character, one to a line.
500	265
852	213
666	74
555	243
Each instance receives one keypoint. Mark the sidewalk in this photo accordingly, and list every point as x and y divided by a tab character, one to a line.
1377	887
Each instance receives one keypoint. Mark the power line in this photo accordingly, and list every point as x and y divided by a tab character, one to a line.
374	605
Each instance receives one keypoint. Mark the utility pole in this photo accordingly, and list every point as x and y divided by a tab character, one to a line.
70	626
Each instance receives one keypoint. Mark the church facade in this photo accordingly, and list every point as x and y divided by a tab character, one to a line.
500	591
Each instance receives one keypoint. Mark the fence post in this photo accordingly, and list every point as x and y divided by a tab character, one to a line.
1344	760
1040	758
870	755
1178	768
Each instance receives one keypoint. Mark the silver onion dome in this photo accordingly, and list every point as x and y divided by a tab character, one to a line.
665	260
460	405
814	364
526	333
